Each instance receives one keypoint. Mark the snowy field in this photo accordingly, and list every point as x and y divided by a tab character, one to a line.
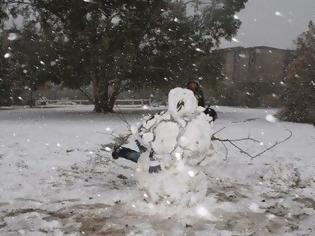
57	178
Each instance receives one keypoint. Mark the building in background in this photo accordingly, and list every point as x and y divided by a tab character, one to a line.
255	76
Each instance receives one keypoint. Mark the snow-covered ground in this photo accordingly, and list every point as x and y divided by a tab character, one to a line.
57	178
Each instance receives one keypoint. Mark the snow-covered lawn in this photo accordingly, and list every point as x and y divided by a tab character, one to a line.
57	178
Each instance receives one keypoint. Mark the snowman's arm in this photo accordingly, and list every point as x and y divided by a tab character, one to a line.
155	166
135	131
140	146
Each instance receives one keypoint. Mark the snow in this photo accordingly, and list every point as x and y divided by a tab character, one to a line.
271	118
185	130
164	138
12	36
277	13
183	97
235	40
7	55
75	188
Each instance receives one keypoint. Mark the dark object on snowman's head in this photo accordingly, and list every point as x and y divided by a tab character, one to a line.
180	105
193	85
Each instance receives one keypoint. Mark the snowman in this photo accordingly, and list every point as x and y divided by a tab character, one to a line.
178	143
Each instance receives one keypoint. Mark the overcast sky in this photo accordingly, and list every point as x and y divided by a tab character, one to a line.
274	23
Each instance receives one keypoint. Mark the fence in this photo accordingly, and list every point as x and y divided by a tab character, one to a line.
69	102
119	102
133	102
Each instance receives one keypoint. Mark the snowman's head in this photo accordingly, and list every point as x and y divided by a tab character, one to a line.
182	102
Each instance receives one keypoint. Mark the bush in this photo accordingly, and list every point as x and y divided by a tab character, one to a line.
299	96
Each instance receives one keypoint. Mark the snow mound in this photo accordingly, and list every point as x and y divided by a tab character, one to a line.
177	185
282	177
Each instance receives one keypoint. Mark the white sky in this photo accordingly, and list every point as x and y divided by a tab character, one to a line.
274	23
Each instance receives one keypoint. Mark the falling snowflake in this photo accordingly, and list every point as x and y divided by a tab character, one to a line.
278	13
12	36
235	40
270	118
191	173
178	156
199	50
7	55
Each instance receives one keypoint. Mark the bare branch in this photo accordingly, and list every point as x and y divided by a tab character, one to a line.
86	94
109	134
198	163
218	131
244	121
226	151
232	142
274	145
235	140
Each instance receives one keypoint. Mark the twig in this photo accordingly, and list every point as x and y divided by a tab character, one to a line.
218	131
235	140
275	144
226	151
231	142
122	117
199	162
111	134
86	95
244	121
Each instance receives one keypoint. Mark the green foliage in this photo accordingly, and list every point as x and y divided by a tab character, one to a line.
299	105
5	78
143	43
5	93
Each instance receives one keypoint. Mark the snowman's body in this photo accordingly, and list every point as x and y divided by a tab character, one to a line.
180	139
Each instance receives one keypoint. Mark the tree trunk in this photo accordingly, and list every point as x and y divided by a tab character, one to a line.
105	95
113	92
96	94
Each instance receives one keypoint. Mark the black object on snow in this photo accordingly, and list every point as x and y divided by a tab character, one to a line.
126	153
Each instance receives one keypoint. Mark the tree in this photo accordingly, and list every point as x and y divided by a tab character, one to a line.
118	44
6	75
299	97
